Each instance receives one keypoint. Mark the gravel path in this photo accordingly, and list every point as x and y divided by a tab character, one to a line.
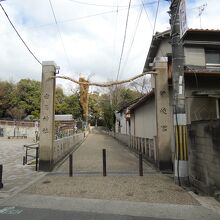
88	182
151	188
88	158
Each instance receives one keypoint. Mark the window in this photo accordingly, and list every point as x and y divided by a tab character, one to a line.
212	57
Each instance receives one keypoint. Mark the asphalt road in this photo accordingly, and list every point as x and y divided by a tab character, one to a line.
19	213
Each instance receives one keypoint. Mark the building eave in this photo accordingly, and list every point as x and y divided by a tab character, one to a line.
204	43
202	70
155	43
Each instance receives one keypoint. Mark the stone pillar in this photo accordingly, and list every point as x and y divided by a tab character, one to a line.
163	120
47	116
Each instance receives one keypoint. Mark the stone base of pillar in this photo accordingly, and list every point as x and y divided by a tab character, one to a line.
45	165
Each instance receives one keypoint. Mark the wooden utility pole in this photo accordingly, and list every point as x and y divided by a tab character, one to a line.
178	27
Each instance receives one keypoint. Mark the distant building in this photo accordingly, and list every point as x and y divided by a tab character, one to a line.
64	125
64	118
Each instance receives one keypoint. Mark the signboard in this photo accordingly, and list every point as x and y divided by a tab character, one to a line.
183	19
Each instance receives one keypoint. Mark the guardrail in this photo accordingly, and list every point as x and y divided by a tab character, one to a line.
145	146
62	147
65	145
31	154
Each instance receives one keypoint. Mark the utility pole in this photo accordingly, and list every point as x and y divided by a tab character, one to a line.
179	108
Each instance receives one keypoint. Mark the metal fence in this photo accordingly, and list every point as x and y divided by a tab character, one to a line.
31	154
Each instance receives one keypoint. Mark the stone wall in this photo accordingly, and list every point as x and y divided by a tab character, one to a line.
11	130
125	139
204	155
65	145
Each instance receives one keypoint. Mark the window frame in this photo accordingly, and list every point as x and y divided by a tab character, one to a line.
215	51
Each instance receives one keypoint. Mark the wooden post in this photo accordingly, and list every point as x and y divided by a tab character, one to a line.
37	156
140	164
1	172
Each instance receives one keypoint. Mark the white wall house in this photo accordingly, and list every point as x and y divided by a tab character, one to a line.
143	117
122	123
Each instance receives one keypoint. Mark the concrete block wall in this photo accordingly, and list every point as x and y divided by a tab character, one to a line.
18	131
204	155
125	139
65	145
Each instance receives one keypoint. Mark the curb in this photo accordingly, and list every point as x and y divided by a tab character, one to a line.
24	187
207	202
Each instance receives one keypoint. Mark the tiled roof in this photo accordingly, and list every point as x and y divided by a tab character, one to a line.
63	117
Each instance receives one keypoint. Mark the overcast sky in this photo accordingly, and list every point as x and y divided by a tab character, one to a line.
87	37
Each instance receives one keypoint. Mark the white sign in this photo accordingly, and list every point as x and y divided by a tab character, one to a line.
183	19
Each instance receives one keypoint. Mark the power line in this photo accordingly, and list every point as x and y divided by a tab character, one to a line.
20	36
153	28
147	14
114	40
133	38
58	29
73	19
123	44
155	21
111	6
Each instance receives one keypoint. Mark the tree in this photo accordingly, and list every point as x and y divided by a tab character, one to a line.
108	111
61	107
141	85
95	109
74	105
16	113
121	96
26	97
6	90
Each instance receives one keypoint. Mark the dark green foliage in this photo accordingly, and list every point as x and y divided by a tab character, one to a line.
27	97
108	111
6	90
95	109
22	99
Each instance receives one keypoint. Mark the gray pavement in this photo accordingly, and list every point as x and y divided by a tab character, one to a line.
15	175
107	207
89	195
121	183
88	158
